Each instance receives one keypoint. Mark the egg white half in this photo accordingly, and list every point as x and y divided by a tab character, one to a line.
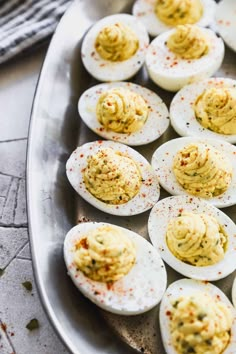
171	72
225	23
105	70
162	162
144	10
234	292
188	287
182	114
149	191
137	292
156	124
170	208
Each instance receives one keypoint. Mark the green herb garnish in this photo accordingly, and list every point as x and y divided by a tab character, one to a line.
27	285
33	324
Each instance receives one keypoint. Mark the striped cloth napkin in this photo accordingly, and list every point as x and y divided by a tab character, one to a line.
24	23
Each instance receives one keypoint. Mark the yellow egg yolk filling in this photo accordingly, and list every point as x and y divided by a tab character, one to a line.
188	41
197	239
116	42
202	170
121	110
179	12
112	177
200	324
105	254
215	109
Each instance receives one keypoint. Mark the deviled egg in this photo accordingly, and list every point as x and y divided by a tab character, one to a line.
206	109
113	177
193	237
225	22
197	317
202	167
184	55
114	48
115	268
159	16
124	112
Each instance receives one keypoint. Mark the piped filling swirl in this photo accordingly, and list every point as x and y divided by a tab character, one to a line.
197	239
116	42
200	324
188	42
105	254
202	170
215	109
179	12
112	177
121	110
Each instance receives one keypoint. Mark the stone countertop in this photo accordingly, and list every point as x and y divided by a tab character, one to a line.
18	306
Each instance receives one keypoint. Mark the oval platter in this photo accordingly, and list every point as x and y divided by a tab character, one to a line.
53	206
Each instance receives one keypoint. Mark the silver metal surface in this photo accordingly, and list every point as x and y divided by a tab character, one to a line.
54	207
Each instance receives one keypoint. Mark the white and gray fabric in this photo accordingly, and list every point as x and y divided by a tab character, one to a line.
25	23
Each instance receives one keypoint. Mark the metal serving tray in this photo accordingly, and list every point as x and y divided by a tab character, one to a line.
54	207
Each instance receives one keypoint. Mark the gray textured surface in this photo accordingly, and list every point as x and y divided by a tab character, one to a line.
17	305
